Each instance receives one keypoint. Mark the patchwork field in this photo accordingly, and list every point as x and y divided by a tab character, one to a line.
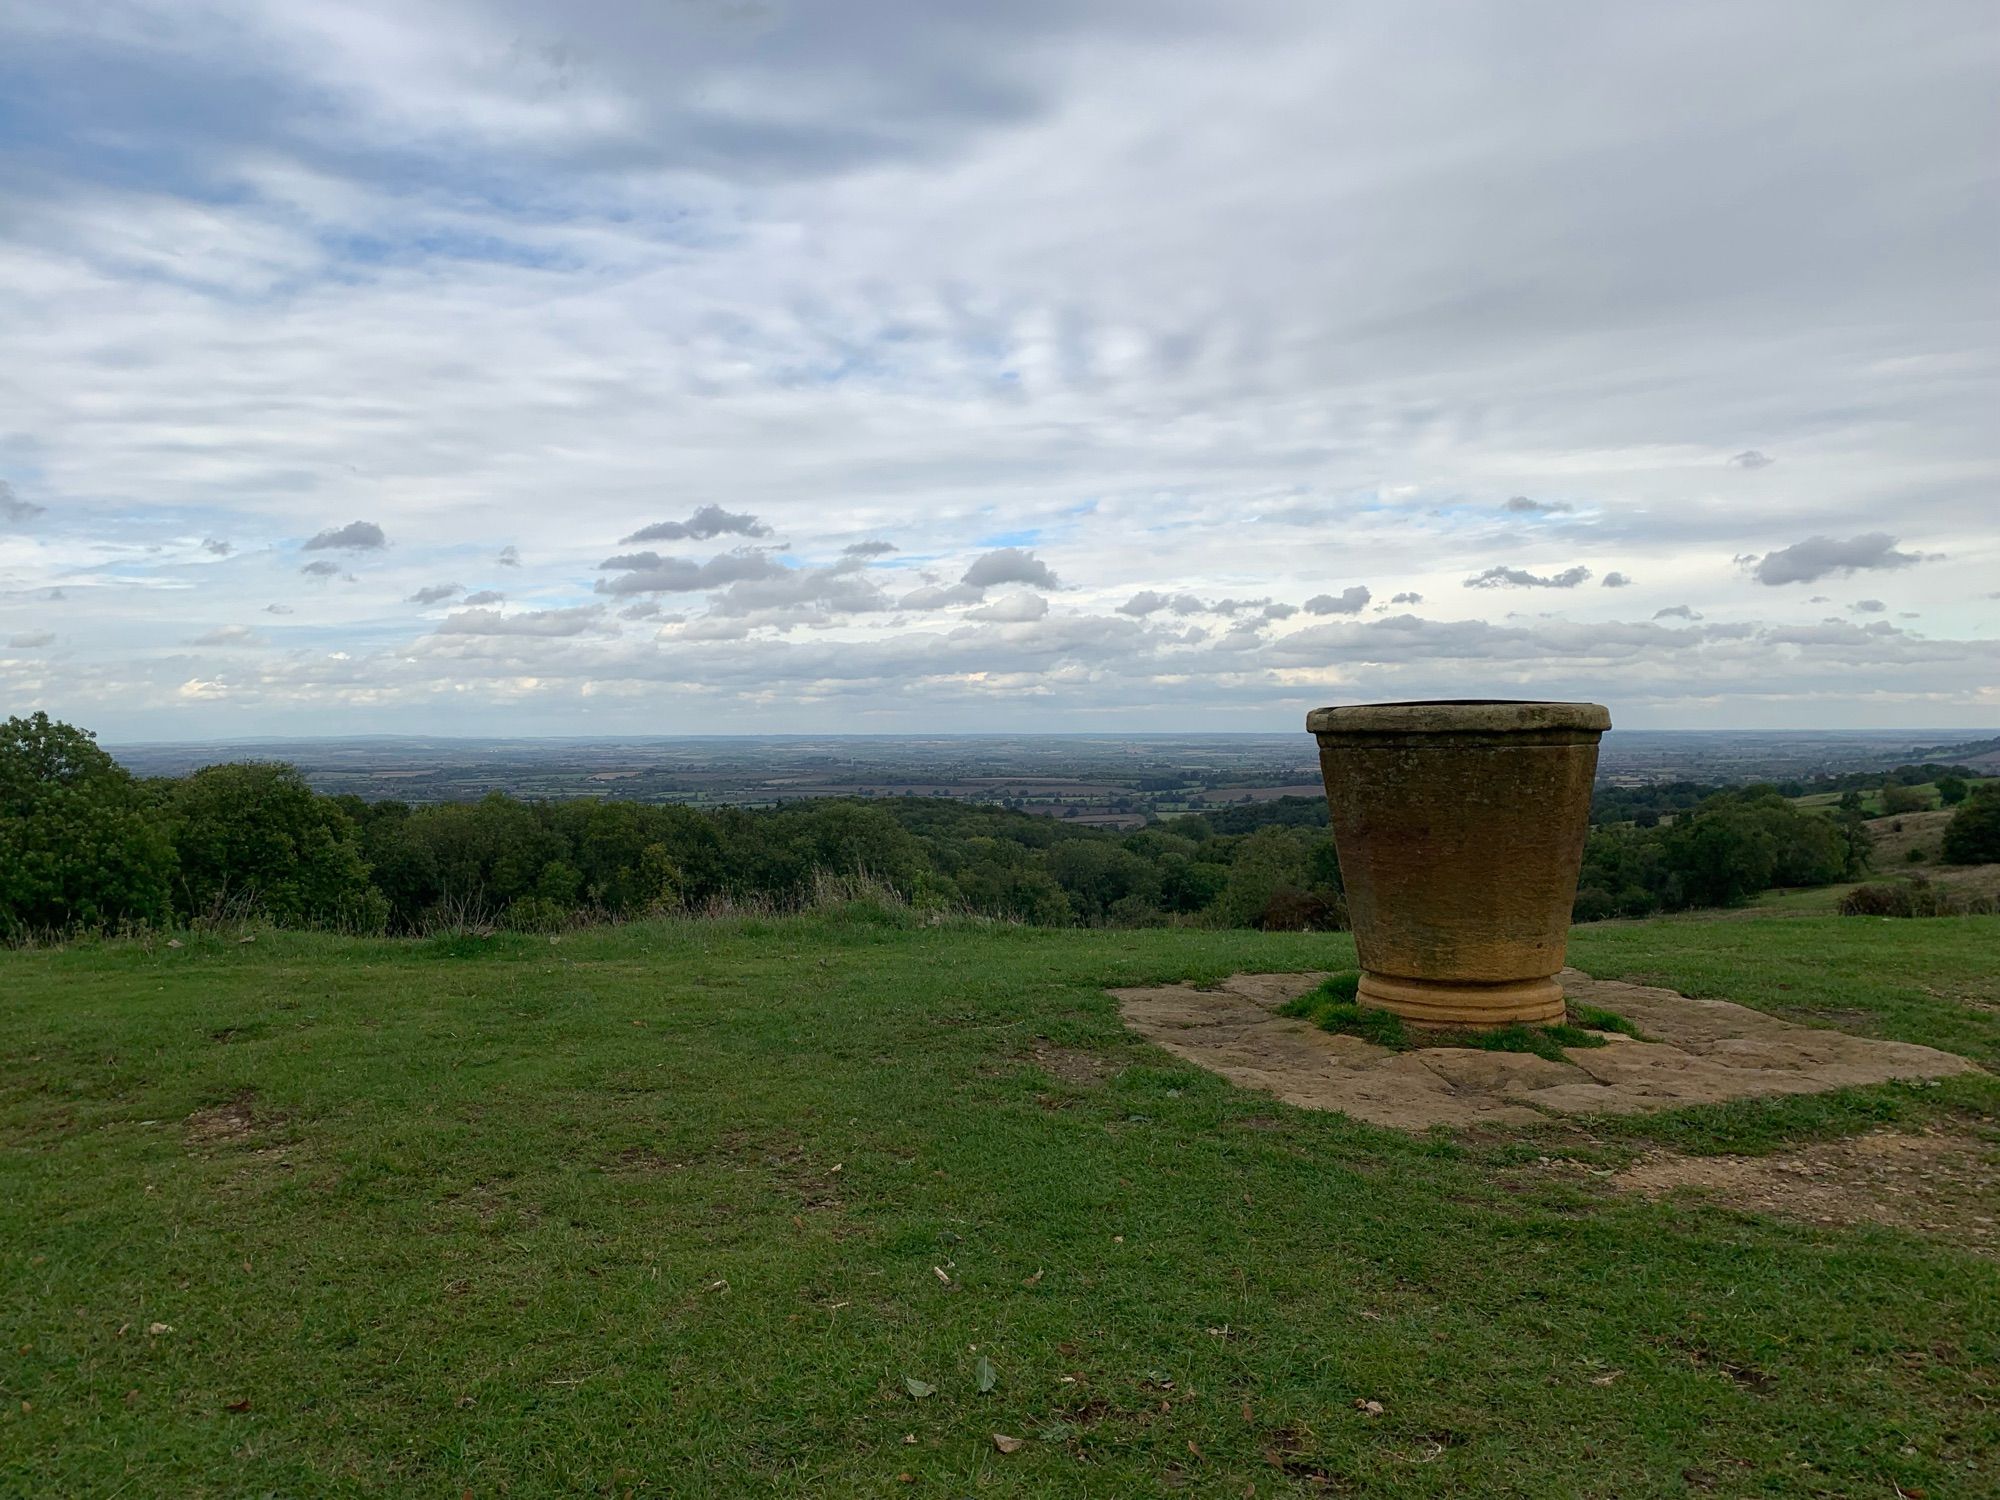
823	1205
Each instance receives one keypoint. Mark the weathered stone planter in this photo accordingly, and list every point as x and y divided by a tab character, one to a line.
1460	829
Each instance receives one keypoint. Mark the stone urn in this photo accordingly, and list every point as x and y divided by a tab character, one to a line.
1460	829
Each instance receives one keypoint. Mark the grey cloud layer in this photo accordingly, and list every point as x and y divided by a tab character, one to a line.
1820	557
355	536
650	573
13	509
1009	565
1521	578
941	278
1347	602
708	522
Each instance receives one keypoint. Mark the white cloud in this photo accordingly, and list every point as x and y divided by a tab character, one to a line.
1012	609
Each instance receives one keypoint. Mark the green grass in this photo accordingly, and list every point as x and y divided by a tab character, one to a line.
683	1208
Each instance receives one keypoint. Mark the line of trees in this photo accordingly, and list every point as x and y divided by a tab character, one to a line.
1724	849
85	845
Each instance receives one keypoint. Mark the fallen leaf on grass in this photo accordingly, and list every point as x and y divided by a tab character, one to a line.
906	1479
939	1272
909	1440
1031	1280
467	1401
1606	1378
243	1405
175	943
1008	1444
918	1388
985	1374
159	1328
1368	1408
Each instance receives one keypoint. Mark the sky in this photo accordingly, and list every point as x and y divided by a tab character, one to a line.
533	368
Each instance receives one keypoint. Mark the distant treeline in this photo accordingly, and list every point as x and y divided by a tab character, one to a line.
86	846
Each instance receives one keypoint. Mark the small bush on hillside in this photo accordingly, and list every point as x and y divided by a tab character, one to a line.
1903	799
1915	897
1952	790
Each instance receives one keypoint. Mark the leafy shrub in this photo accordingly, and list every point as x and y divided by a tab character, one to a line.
1914	897
1903	799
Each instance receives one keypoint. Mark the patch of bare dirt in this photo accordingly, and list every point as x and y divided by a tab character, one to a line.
1938	1182
1072	1064
221	1124
1696	1052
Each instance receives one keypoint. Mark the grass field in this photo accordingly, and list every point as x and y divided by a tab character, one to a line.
758	1207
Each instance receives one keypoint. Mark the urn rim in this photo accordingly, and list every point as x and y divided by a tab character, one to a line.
1460	716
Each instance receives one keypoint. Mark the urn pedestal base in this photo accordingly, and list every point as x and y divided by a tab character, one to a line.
1461	1006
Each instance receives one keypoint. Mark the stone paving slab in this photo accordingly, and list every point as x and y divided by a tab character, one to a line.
1696	1052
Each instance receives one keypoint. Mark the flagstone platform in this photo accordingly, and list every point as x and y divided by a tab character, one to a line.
1697	1052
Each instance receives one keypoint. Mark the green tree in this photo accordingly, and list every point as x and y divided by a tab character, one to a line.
1972	837
79	844
1952	790
254	837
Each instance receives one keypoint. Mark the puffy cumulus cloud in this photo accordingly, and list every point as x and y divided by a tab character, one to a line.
1750	458
1009	565
1521	578
1676	612
1616	581
14	510
1280	611
1349	601
437	593
544	623
1820	557
650	573
31	640
708	522
1521	505
508	557
1012	609
485	596
1408	596
941	596
355	536
228	635
1868	607
324	569
869	549
1152	601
